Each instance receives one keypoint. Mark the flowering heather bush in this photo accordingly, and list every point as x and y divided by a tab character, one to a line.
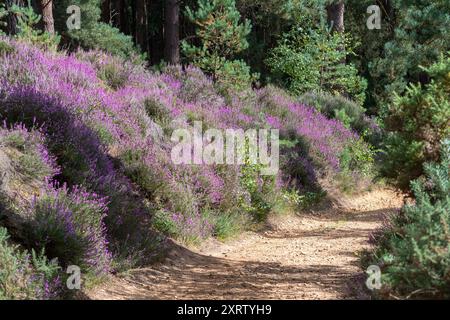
326	139
82	121
24	275
69	225
28	149
108	123
343	109
190	228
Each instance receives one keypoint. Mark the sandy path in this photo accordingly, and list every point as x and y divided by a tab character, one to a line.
306	256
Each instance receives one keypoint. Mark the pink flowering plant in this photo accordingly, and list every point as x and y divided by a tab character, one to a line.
106	125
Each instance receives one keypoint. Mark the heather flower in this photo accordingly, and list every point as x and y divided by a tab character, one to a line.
105	123
69	225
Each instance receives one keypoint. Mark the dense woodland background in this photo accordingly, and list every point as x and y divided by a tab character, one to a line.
162	30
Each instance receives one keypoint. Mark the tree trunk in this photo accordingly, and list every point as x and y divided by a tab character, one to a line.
335	17
141	24
106	11
47	16
172	32
156	31
119	16
11	19
335	14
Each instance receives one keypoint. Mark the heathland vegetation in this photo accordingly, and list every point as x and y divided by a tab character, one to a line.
88	109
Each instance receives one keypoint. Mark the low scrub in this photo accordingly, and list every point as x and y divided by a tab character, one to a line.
418	121
25	275
413	249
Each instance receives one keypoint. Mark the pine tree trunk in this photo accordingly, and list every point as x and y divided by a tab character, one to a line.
155	11
11	19
124	25
335	13
141	24
119	16
335	17
47	16
172	32
106	11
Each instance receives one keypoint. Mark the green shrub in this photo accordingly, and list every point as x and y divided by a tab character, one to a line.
163	223
338	107
234	76
358	157
414	251
311	60
5	48
25	276
107	38
228	224
302	201
417	122
260	191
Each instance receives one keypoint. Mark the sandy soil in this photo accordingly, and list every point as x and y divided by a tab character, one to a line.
312	255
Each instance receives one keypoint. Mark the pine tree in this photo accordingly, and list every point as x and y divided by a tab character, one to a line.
156	30
46	9
141	24
11	19
172	32
335	14
419	121
220	33
420	37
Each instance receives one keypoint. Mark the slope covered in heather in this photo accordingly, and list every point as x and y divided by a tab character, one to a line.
110	191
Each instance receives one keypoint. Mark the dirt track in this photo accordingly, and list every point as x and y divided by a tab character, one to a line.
305	256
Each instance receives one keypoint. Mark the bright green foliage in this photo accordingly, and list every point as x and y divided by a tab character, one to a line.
234	76
302	201
259	196
107	38
419	121
24	276
311	59
270	19
222	36
415	249
358	156
227	225
92	34
163	223
420	36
